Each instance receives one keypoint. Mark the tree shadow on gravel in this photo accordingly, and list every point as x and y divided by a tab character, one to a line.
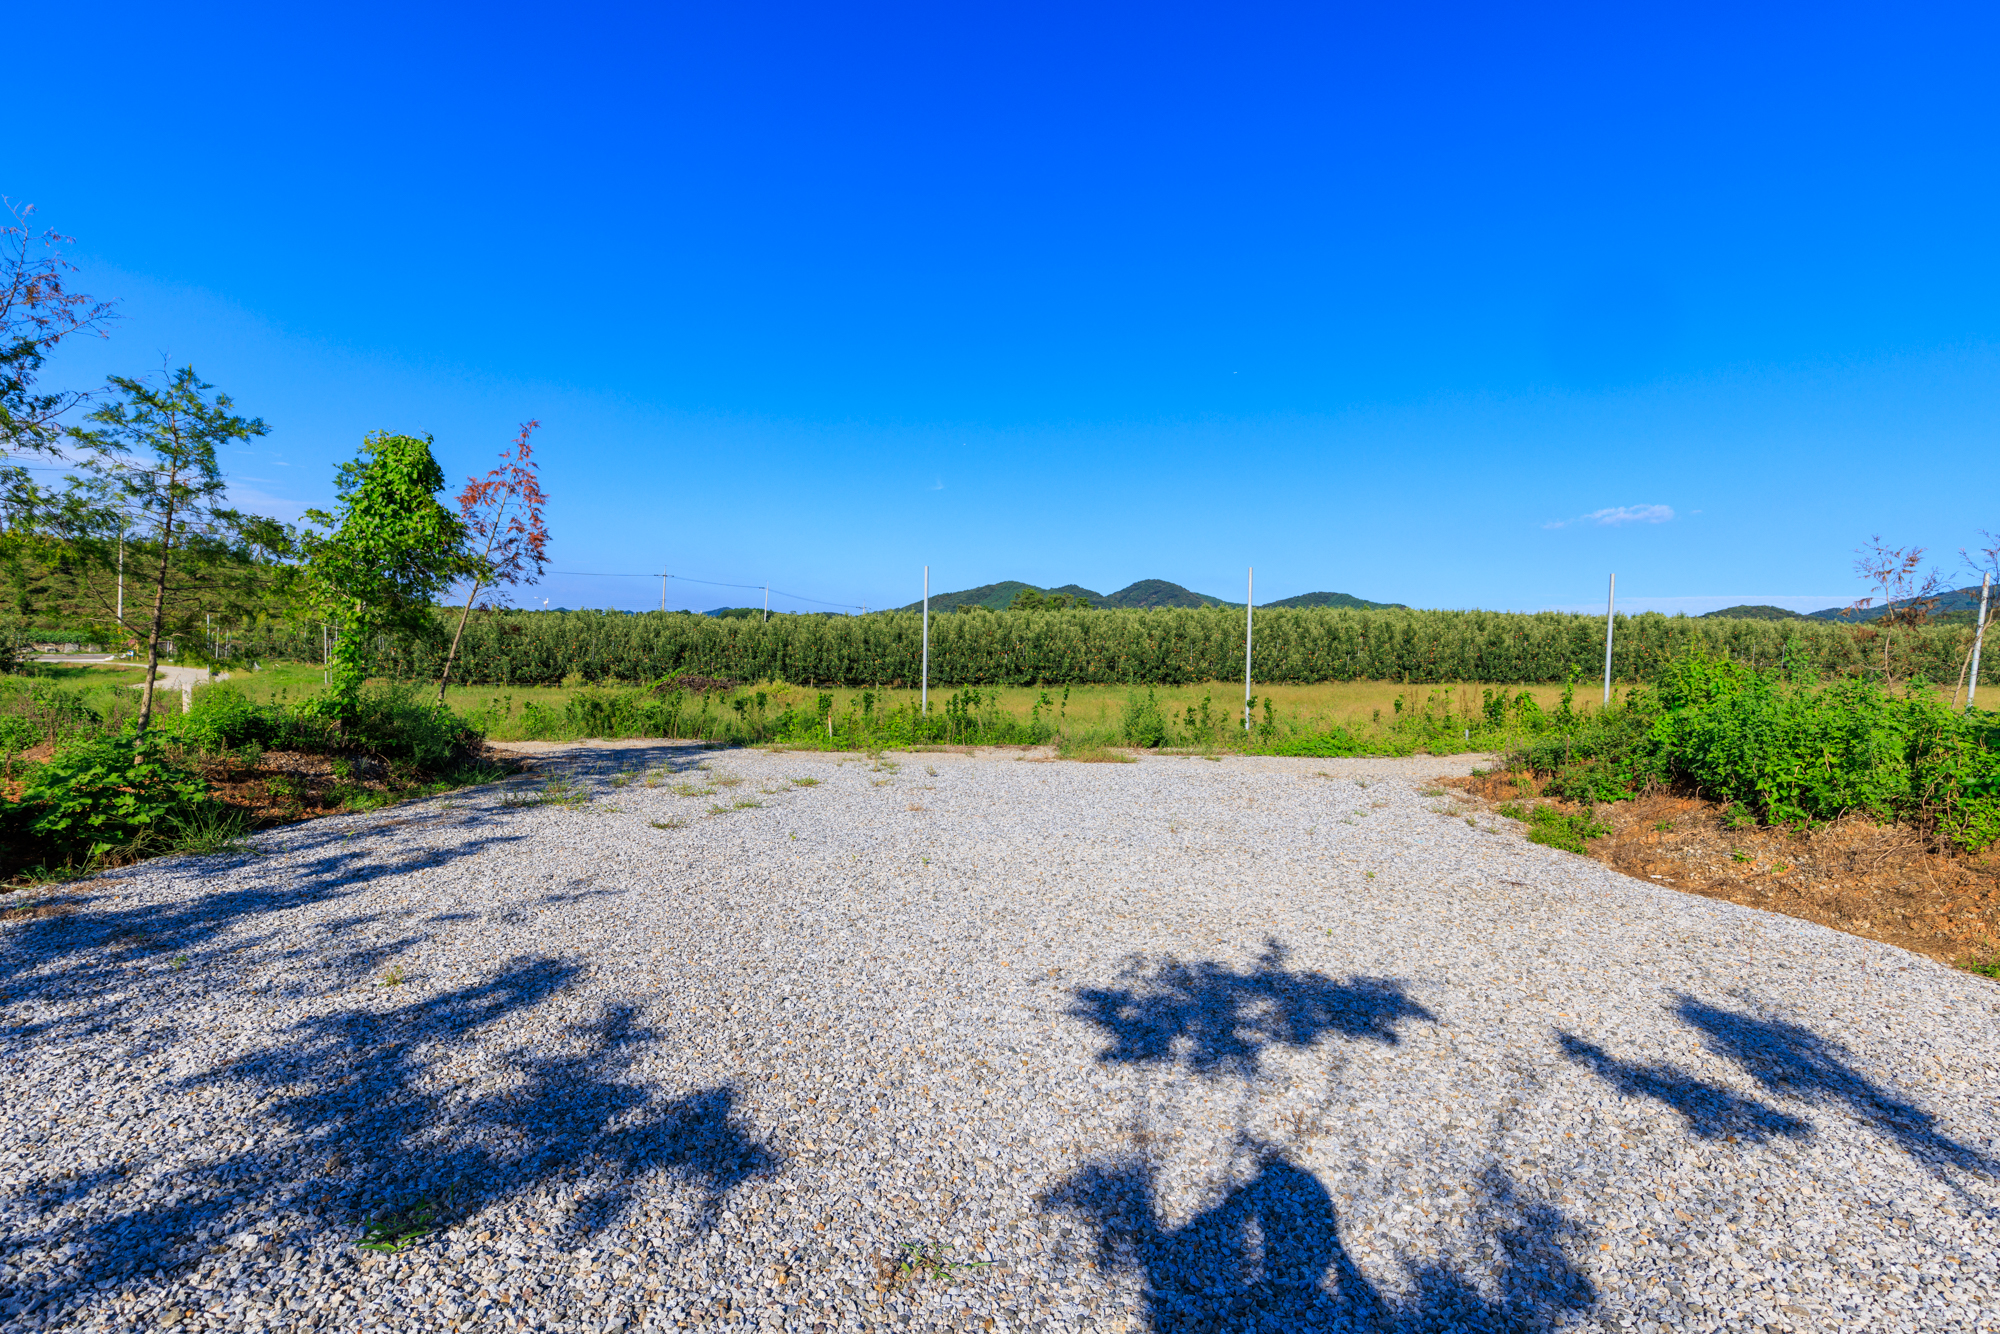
1215	1019
1788	1058
104	950
1269	1256
1712	1112
357	1120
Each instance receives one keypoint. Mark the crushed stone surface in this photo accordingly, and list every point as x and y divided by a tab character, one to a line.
659	1038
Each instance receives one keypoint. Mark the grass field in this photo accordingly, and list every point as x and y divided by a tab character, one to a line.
1362	707
1353	704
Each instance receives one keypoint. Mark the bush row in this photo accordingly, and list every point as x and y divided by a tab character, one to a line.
1166	647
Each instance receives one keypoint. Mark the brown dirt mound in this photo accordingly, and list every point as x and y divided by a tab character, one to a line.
1881	882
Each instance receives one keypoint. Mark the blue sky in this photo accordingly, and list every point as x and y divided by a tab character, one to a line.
1450	306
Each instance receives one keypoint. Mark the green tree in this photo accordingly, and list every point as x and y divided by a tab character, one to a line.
380	562
170	499
1028	599
37	311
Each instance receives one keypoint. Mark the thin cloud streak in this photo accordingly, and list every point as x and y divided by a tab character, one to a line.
1619	514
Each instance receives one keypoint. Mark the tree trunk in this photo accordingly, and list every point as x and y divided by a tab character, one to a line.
159	616
458	634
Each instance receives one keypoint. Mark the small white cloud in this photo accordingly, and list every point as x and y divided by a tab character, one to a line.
939	485
1554	523
1630	514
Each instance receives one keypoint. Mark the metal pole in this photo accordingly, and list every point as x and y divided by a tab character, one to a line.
121	574
1610	605
663	590
1249	602
927	641
1979	634
767	604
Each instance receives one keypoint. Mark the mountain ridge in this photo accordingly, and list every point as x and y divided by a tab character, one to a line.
1139	595
1955	602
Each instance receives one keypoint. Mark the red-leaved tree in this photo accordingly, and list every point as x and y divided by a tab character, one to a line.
506	542
1908	595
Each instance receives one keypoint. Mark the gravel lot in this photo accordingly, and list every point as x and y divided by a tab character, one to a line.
1175	1045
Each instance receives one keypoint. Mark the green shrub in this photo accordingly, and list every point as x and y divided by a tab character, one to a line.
1551	828
1589	781
1795	755
1771	748
398	723
102	793
17	734
43	709
1144	724
1332	744
223	718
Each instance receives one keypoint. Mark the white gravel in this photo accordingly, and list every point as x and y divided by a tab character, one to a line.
1180	1045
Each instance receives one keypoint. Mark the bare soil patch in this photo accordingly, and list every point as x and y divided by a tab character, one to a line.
1879	882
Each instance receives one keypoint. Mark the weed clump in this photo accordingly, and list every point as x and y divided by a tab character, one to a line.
102	795
1775	748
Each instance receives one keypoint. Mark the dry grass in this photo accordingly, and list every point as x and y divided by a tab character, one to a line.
38	909
1880	882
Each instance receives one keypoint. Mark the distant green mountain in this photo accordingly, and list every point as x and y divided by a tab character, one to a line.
1139	596
1336	600
1079	591
1159	593
1758	611
1960	603
993	597
1145	593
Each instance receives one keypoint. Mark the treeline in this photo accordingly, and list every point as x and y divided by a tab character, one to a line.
1166	647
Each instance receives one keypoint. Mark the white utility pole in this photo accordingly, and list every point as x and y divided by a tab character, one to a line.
927	641
1610	605
767	603
663	590
121	574
1978	634
1249	605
